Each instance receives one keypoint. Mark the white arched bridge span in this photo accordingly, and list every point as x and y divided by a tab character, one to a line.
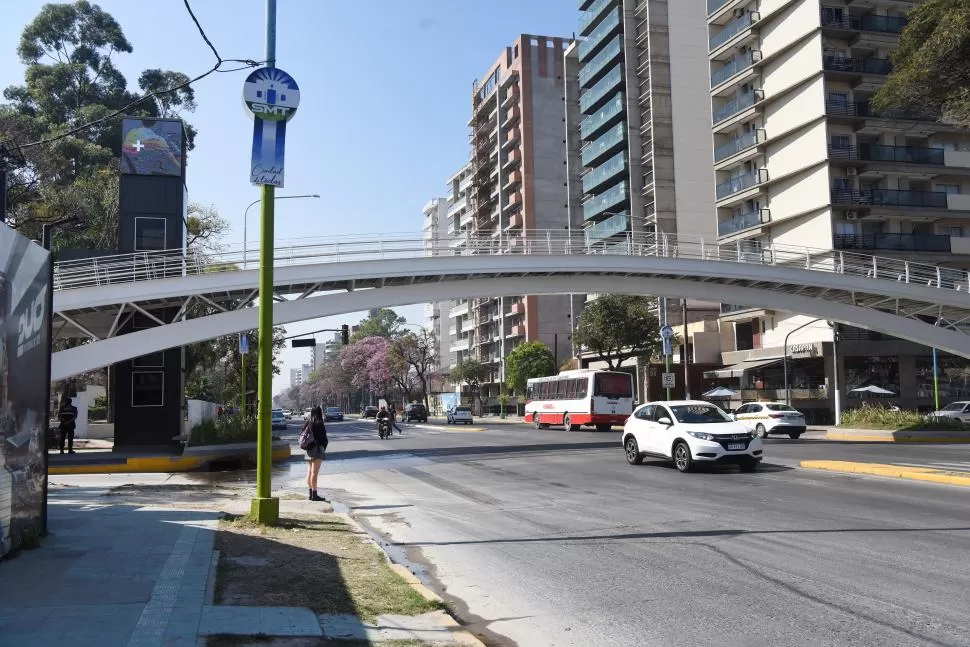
95	297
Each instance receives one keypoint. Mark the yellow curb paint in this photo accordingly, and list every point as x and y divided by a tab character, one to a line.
896	471
149	464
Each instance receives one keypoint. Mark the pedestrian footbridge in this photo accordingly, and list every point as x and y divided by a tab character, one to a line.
94	298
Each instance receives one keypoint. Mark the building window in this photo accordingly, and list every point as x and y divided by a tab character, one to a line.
842	185
948	188
840	142
950	231
838	98
153	360
844	228
149	234
147	389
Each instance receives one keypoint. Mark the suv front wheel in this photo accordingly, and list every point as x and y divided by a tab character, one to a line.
682	458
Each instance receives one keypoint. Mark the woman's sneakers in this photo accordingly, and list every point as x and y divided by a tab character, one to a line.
315	497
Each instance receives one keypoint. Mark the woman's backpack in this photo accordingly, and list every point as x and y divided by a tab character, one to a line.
307	442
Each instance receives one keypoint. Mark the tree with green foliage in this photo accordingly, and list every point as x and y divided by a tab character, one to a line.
213	369
386	323
931	66
71	80
619	327
526	361
473	373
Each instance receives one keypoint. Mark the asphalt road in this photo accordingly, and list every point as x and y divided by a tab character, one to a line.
550	538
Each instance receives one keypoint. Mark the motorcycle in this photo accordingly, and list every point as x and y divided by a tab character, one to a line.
384	428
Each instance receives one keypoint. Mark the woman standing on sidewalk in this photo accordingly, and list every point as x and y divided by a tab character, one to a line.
316	454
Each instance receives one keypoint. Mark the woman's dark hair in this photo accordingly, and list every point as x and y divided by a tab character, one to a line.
317	414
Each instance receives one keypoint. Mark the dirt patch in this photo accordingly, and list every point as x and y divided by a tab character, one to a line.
177	493
318	562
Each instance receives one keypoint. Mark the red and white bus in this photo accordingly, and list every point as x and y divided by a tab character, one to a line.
581	397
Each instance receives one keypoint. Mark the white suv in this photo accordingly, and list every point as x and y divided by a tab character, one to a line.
689	432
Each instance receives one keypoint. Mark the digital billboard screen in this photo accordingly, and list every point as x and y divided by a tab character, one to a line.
152	147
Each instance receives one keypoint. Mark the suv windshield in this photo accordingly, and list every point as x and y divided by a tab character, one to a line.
954	406
333	408
699	413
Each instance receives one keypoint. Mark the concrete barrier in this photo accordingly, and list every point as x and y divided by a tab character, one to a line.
897	436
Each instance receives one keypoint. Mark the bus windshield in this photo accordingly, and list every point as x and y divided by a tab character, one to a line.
613	385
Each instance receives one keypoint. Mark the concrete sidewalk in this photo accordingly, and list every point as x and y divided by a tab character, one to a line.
116	572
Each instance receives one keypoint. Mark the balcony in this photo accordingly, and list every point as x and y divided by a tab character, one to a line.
743	221
714	5
459	345
513	115
457	206
865	109
899	198
738	104
592	124
514	157
882	153
515	220
468	325
517	330
731	30
606	171
868	22
591	70
604	201
616	224
515	177
518	308
514	135
734	67
606	144
458	311
871	65
894	242
738	144
740	183
590	16
592	97
609	26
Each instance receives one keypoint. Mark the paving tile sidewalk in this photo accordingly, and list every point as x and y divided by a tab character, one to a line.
117	573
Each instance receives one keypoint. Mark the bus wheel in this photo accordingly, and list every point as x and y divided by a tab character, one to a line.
567	423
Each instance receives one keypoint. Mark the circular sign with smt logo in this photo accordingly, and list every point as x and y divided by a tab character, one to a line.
271	94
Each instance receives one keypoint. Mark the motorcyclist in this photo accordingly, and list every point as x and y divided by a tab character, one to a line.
383	417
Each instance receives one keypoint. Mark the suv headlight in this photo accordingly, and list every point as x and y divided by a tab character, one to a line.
701	435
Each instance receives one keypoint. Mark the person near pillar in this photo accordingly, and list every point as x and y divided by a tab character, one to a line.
67	415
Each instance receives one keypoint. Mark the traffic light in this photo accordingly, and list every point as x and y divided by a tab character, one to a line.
345	334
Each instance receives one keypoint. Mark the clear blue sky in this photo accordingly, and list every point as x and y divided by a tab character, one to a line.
385	99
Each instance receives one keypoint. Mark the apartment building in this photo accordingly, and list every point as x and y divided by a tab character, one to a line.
636	83
459	216
436	238
329	350
803	158
515	181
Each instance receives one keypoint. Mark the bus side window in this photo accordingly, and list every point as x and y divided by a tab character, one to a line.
582	388
528	393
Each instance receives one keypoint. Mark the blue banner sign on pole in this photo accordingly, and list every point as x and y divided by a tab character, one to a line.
272	97
243	344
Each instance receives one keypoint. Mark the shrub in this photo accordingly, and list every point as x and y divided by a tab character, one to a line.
877	417
223	431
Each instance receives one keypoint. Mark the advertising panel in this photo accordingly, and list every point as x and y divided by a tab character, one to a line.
152	147
24	386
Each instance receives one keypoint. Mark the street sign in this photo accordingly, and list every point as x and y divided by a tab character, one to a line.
666	332
668	349
668	380
272	97
243	344
304	343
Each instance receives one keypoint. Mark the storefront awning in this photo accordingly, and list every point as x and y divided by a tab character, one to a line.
738	369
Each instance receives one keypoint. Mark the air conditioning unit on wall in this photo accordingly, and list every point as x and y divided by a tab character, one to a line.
850	171
851	215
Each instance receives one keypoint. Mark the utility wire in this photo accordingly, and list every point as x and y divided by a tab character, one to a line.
246	64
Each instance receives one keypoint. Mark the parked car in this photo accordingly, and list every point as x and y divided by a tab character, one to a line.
370	412
306	413
333	413
277	419
955	411
765	418
415	411
459	414
688	432
287	413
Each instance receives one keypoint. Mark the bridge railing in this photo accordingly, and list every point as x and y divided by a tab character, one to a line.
169	264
